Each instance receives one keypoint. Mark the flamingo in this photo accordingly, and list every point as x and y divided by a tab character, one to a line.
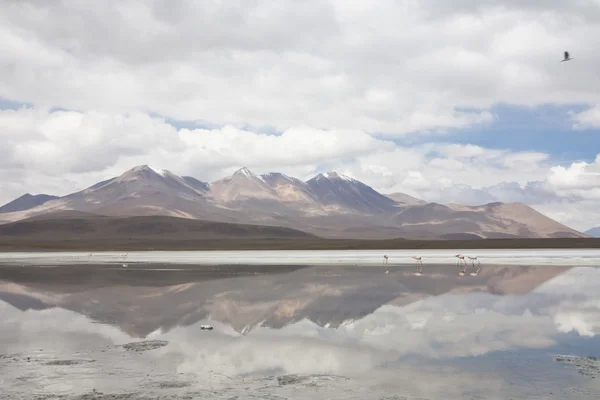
385	261
460	258
419	263
567	58
473	259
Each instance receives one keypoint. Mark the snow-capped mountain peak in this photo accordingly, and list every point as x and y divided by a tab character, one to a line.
278	177
161	172
336	175
139	173
291	190
335	189
245	172
243	184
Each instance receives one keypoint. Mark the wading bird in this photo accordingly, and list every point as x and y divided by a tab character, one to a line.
567	58
460	258
419	264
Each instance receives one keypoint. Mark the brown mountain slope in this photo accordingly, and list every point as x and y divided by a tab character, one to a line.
80	227
518	219
345	194
405	199
291	190
494	220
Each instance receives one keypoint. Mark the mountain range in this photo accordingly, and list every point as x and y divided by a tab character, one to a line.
330	205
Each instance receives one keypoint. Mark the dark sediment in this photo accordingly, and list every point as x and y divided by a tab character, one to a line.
145	345
8	244
587	366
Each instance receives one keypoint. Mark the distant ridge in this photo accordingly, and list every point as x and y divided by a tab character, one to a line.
594	232
26	202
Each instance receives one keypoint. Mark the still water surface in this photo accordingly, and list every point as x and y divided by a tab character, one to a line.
316	332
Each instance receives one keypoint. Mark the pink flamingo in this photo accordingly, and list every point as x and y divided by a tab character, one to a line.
460	258
419	262
473	259
385	261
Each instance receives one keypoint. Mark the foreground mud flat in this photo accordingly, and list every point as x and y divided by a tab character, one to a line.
124	373
143	370
588	366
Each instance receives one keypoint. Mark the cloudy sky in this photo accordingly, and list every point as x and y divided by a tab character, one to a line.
462	101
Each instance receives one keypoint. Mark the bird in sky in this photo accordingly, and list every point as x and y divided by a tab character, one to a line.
567	58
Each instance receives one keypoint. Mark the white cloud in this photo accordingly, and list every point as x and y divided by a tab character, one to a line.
296	146
387	67
589	118
578	176
86	146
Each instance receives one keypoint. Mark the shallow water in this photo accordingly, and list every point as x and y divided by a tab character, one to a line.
573	257
315	332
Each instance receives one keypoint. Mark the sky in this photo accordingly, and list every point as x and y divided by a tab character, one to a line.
463	101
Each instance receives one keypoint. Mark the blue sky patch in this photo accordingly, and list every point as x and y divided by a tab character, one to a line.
546	129
6	104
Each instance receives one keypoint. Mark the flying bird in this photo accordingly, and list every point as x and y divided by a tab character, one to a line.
567	58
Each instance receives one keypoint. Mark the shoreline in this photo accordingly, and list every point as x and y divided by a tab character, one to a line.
250	268
174	259
10	246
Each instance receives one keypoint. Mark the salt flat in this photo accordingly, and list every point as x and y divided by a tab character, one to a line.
571	257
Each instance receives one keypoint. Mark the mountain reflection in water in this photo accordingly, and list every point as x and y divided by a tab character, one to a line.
355	332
